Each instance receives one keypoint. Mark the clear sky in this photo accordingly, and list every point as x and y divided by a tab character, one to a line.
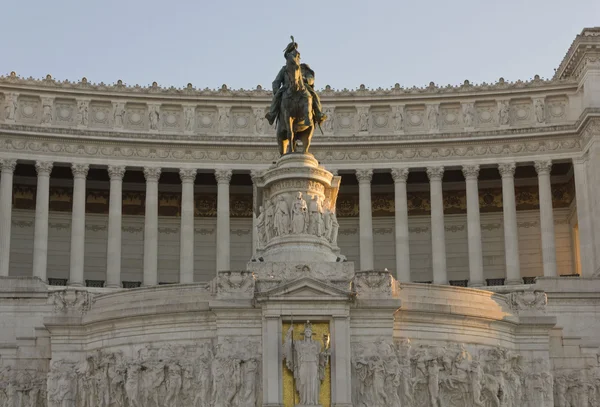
240	43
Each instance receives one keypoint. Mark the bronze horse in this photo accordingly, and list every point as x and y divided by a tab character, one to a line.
295	121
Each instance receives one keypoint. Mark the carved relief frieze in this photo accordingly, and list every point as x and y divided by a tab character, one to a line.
29	110
100	115
450	116
171	118
235	285
521	112
345	120
136	117
65	112
206	119
72	301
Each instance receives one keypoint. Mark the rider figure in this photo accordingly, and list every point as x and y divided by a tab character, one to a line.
281	84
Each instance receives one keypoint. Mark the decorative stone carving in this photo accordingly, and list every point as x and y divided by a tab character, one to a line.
235	285
435	173
152	174
154	116
300	219
399	118
316	225
83	107
329	124
400	174
433	117
223	176
259	120
503	113
224	124
116	171
468	110
11	105
364	175
62	384
373	284
528	301
543	167
118	114
67	301
188	174
189	116
80	170
307	360
470	171
507	169
363	118
43	167
47	110
540	111
281	218
386	374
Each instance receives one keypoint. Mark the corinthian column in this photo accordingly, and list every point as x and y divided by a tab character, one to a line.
365	218
186	241
400	176
511	232
471	172
80	172
152	174
6	185
223	230
438	231
113	250
543	169
40	239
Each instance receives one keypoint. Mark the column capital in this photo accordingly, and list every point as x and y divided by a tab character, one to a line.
364	176
187	174
8	164
80	170
400	174
116	172
543	167
43	167
435	173
254	174
152	174
223	176
507	169
471	171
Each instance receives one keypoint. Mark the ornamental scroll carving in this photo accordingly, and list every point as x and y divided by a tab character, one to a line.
170	376
399	374
72	301
235	285
528	301
373	284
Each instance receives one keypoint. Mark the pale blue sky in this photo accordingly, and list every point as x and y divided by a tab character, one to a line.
240	43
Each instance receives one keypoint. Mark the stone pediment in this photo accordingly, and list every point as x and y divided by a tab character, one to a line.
305	289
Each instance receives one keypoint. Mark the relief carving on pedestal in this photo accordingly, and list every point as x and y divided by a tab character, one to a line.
399	374
170	376
235	285
303	217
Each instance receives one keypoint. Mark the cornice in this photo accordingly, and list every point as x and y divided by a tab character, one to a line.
14	83
584	42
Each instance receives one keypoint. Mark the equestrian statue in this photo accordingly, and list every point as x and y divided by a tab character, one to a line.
296	106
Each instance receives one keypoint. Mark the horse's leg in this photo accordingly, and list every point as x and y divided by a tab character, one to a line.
307	137
290	129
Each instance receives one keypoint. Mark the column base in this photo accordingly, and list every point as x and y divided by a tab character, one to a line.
75	284
518	281
476	284
272	405
113	286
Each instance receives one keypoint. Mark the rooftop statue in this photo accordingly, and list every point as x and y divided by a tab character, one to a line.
296	106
